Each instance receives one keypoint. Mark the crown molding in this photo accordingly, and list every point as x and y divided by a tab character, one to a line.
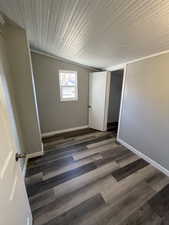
40	52
120	66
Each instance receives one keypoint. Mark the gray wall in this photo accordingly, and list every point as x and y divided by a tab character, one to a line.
145	112
6	76
23	95
115	95
56	115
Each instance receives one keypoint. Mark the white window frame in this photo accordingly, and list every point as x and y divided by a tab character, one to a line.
76	87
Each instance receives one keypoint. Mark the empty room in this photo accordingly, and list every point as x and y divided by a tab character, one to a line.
84	112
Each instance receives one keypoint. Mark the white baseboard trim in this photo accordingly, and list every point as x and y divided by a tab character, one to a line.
25	167
143	156
29	220
36	154
29	156
63	131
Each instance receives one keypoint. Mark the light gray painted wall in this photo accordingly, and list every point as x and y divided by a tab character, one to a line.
56	115
145	111
115	95
22	83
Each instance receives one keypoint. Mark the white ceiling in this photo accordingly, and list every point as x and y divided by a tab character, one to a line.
98	33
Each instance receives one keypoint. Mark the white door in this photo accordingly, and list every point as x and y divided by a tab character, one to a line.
14	205
99	86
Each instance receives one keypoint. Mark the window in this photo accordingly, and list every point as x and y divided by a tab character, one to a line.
68	85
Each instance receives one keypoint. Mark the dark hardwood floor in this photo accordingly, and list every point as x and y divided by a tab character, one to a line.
86	178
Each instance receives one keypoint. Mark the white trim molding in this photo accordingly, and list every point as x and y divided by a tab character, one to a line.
61	86
143	156
119	66
48	134
106	110
43	53
29	220
35	154
25	167
122	97
30	156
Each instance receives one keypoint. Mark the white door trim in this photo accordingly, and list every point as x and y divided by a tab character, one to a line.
107	100
124	68
122	98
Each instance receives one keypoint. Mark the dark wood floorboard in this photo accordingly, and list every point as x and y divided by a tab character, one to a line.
63	152
160	202
143	216
129	169
73	215
68	135
46	165
108	187
54	181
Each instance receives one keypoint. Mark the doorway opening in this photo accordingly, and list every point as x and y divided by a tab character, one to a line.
116	82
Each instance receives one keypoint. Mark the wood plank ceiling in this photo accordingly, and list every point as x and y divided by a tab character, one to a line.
99	33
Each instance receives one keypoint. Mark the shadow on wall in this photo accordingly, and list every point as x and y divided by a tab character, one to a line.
115	98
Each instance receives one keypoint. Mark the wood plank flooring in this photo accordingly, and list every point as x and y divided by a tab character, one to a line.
86	178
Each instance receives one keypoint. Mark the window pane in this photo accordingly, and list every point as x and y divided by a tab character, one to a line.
68	92
67	79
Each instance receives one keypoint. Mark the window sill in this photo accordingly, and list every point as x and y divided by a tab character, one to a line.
68	100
